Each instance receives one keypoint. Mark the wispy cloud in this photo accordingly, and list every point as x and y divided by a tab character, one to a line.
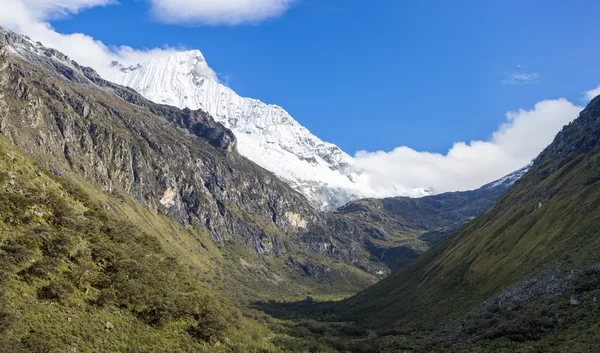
218	12
520	78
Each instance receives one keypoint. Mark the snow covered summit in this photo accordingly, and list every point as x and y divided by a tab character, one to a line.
266	133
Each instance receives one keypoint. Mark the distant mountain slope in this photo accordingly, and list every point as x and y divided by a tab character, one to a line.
267	134
400	228
539	246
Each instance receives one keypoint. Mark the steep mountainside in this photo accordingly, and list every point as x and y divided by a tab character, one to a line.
178	163
525	271
266	134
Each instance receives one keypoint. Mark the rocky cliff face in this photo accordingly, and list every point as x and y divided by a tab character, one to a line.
177	162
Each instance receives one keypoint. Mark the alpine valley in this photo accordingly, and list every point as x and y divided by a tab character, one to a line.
158	211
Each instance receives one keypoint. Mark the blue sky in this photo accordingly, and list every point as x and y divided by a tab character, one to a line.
380	74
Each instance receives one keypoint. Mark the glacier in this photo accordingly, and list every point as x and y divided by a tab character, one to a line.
266	133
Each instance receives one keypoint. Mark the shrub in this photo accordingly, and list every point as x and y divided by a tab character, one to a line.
353	330
588	281
56	290
41	269
37	342
212	320
16	253
362	347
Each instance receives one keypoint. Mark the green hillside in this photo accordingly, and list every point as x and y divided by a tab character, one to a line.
75	277
540	242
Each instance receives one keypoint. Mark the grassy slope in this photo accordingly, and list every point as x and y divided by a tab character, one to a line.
510	241
75	276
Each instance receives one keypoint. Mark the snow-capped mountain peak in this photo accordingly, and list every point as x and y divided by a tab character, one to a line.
266	133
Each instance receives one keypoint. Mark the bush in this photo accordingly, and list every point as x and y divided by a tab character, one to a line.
37	342
212	320
353	330
588	281
57	245
16	253
56	290
41	269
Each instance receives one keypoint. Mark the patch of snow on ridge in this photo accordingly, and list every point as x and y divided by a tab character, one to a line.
510	178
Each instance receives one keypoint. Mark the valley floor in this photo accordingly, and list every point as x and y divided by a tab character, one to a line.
569	322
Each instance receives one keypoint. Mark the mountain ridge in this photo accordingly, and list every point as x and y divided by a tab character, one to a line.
404	227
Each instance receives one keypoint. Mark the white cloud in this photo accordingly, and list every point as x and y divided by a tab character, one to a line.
218	12
469	165
520	78
29	17
593	93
